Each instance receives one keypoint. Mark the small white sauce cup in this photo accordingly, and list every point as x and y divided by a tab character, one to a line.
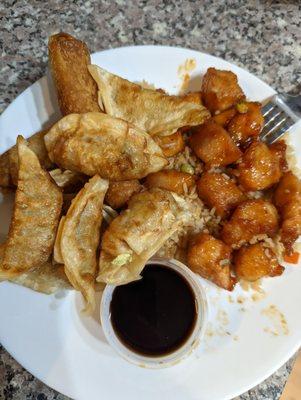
180	353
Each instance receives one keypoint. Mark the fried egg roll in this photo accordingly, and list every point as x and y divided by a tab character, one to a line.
76	89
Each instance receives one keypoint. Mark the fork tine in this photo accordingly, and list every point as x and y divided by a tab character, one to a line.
267	109
279	118
271	127
277	131
277	134
274	117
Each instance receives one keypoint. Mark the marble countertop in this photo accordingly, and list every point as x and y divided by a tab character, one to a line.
261	36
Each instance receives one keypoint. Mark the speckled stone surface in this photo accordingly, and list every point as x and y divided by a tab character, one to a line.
262	36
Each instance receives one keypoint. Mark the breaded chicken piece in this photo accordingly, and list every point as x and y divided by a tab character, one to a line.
171	180
259	168
171	144
256	261
212	144
119	193
287	198
250	219
76	89
247	123
225	117
220	90
279	149
219	192
210	258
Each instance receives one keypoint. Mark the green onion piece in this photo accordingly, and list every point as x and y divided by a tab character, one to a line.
122	259
187	168
242	107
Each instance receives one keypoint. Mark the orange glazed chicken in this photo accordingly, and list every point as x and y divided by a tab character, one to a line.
250	219
119	193
171	180
247	123
171	144
220	90
225	117
279	150
210	258
212	144
219	192
259	168
256	261
287	198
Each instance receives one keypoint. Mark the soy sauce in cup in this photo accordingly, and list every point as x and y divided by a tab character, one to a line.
154	316
159	320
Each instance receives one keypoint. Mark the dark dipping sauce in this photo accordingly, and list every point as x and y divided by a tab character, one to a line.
155	315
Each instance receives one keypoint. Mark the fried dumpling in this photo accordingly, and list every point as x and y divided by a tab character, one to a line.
155	112
37	209
67	180
36	144
5	177
97	144
136	235
79	238
9	161
46	278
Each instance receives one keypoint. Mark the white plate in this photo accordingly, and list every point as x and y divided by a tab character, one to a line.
52	340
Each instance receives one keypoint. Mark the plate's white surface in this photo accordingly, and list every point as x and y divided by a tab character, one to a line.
49	336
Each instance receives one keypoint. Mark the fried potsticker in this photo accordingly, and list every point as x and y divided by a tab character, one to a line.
287	198
68	181
5	177
46	278
78	238
95	143
9	160
210	258
37	145
155	112
69	59
37	209
136	235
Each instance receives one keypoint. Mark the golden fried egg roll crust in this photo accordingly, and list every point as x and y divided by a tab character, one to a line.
76	89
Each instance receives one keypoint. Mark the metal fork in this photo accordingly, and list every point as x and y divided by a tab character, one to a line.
281	112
